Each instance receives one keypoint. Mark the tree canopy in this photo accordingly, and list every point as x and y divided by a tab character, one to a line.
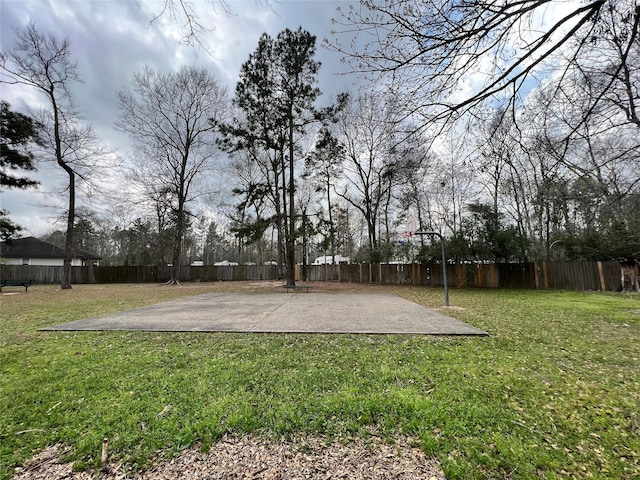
449	57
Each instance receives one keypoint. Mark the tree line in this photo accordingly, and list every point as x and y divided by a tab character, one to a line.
268	174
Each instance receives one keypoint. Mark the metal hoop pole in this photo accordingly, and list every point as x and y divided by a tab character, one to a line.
444	264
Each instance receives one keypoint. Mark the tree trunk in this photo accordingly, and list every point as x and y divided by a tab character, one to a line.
175	262
285	215
177	245
291	254
279	219
305	247
68	244
332	229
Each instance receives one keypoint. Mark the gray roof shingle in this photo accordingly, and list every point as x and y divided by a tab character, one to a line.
31	247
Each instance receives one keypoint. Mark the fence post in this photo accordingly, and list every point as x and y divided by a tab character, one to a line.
603	285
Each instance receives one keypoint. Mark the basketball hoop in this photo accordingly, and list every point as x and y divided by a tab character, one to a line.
410	229
412	225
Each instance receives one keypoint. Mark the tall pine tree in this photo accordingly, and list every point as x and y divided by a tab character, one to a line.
17	131
276	93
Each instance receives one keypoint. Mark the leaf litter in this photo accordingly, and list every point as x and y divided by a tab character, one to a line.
252	458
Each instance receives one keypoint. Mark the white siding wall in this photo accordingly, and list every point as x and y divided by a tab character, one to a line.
53	262
12	261
49	262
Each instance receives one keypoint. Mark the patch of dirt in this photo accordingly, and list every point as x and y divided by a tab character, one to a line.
271	286
249	457
449	308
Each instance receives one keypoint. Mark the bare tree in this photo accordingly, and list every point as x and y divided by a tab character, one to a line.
252	212
44	63
323	168
610	69
595	171
184	13
171	117
453	186
369	132
494	149
435	52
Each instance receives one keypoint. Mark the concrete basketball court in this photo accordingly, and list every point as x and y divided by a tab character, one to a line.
281	312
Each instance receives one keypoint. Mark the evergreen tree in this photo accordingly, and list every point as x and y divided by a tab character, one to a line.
17	132
276	93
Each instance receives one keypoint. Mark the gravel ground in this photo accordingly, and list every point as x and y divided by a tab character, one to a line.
251	458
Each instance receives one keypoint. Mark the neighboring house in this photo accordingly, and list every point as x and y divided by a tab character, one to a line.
31	251
329	260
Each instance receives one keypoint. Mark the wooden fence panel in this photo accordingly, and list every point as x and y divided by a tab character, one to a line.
39	274
352	273
470	276
516	275
321	273
611	275
573	275
263	272
432	275
391	274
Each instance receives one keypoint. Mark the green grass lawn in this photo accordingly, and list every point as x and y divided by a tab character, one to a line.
553	392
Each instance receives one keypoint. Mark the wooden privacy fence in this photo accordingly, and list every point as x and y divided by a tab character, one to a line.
138	274
46	273
561	275
142	274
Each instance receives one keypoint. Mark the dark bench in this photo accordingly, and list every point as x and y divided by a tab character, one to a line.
296	287
15	283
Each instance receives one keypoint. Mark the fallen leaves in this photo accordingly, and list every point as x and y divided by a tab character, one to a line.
252	458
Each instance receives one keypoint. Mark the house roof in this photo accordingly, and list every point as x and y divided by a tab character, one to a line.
31	247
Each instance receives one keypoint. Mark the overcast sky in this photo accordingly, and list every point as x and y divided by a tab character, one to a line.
113	39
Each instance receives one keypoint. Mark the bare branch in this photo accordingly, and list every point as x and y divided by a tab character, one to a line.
448	58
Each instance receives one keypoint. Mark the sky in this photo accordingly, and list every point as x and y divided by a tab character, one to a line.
113	39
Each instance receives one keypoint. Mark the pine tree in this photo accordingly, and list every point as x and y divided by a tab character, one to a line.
17	132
